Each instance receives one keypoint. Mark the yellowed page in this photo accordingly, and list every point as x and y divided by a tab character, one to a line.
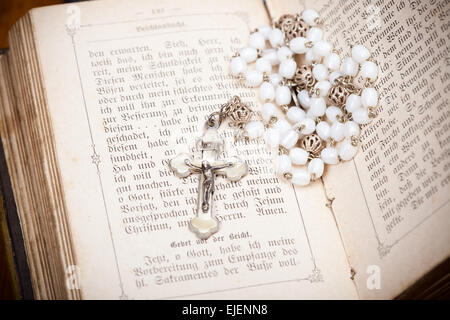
392	201
127	91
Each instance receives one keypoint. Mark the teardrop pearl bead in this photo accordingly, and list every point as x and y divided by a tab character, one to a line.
333	112
282	126
268	111
318	107
265	30
283	164
351	129
255	129
349	67
289	139
276	37
271	56
272	137
346	150
360	53
237	66
369	97
353	102
329	155
361	116
297	45
310	16
298	156
320	72
267	92
257	41
332	61
315	168
369	70
304	99
253	78
314	34
263	65
322	48
287	68
323	130
249	54
300	177
284	53
337	132
283	95
295	114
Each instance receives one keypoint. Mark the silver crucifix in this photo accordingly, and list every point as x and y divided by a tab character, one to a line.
204	224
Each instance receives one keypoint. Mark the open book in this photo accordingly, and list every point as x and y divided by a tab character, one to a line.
97	97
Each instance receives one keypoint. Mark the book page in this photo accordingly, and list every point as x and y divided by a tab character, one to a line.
127	91
392	201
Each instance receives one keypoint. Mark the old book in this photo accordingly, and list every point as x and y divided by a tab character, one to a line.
98	96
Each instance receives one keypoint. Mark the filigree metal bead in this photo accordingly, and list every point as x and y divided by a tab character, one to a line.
338	95
237	111
304	78
292	26
313	144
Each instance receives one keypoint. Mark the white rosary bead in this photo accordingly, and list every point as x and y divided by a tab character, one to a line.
332	61
334	75
254	129
314	34
310	57
329	155
323	130
253	78
300	177
315	168
333	113
320	72
337	132
287	68
304	99
349	67
282	126
361	116
263	65
346	150
351	129
284	53
272	137
310	115
267	92
297	45
289	139
308	124
275	79
283	164
369	97
369	70
298	156
318	107
249	54
310	16
271	56
238	66
283	95
265	31
268	111
257	41
276	37
353	102
295	114
360	53
323	87
322	48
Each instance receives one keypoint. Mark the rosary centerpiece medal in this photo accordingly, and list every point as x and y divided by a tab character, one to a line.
207	163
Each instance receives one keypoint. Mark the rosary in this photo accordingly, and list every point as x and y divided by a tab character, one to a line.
311	112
